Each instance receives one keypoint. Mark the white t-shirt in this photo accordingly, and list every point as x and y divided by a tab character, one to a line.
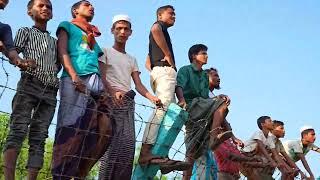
251	144
293	147
119	67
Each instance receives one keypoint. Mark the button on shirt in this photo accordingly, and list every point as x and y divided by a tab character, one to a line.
194	82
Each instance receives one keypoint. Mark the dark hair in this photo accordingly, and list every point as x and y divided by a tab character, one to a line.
30	4
195	49
277	123
76	6
305	132
163	8
261	120
211	69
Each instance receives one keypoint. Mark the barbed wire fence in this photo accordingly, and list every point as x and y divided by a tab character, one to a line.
176	152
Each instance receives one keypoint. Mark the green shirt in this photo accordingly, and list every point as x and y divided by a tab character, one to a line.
194	82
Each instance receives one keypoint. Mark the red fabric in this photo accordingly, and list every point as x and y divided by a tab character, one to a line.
221	154
91	30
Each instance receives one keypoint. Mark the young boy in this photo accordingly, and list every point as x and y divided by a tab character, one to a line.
298	149
161	63
77	143
261	145
35	101
118	68
7	45
290	169
206	115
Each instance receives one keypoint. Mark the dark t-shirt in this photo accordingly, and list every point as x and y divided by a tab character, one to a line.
6	36
155	52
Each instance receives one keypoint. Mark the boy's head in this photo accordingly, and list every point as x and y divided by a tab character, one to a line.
3	3
308	134
166	14
278	129
83	9
214	79
121	28
40	10
198	53
265	122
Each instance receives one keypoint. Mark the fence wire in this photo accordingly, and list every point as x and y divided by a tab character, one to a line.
177	151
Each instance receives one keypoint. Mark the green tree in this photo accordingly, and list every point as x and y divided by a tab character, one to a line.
21	173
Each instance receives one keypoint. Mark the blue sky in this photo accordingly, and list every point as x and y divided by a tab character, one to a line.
267	53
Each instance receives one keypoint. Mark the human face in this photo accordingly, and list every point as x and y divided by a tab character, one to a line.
168	16
279	131
41	11
214	80
3	3
268	124
201	57
85	10
310	137
121	31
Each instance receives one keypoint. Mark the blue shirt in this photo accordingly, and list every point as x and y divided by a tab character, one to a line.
83	59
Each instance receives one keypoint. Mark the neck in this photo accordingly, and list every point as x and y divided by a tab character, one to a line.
198	65
121	47
265	131
305	142
41	26
82	19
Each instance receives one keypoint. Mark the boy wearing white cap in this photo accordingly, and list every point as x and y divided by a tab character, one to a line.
117	68
297	149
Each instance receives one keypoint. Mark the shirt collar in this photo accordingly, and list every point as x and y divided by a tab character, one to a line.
34	27
195	68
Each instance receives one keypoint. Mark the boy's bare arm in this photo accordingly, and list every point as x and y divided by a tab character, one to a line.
289	160
159	38
143	90
148	63
262	149
66	60
305	164
181	101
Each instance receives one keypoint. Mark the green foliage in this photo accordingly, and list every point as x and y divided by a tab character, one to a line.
21	173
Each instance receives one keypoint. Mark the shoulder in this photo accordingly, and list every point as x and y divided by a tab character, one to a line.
5	27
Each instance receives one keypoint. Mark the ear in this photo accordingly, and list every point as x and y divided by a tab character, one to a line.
111	30
29	12
130	32
74	11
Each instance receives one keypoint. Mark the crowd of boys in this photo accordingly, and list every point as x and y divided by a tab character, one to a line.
96	111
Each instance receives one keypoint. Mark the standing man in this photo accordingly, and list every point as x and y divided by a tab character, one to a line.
118	68
298	149
161	63
34	104
80	84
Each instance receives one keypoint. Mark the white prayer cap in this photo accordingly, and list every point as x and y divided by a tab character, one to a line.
121	17
306	127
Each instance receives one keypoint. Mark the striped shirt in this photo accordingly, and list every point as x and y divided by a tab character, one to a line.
39	46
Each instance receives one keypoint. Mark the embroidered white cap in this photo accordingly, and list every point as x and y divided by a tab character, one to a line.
306	127
121	17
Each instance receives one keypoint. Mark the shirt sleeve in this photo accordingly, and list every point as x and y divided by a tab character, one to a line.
182	78
135	67
295	146
21	39
103	58
65	25
98	50
315	148
258	135
6	36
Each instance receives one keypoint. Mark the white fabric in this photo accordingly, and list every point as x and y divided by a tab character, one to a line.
163	83
251	144
306	127
119	67
121	17
292	147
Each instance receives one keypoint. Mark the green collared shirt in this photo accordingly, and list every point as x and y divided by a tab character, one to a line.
194	82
